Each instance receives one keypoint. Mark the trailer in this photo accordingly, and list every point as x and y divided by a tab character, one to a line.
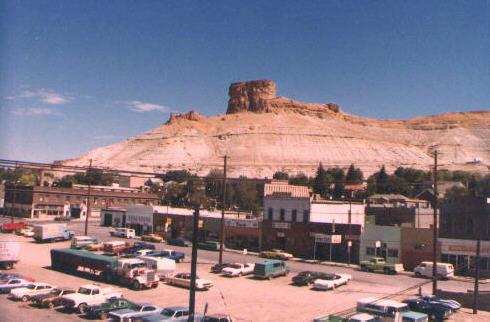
126	271
52	233
9	254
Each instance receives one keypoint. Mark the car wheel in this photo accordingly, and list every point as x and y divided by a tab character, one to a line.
417	274
364	268
136	285
51	305
25	298
82	308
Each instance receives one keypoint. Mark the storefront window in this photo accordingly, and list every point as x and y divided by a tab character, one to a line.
282	214
370	251
392	252
294	215
270	213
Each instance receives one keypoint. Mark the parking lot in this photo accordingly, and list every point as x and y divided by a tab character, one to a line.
244	298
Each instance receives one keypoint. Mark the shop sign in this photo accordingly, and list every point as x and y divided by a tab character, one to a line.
328	239
281	234
281	225
241	223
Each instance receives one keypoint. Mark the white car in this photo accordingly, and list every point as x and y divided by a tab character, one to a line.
25	293
184	280
28	232
238	269
331	281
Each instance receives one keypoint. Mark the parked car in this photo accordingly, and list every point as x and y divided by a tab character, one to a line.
435	311
9	284
6	276
138	246
101	311
452	304
95	247
209	245
152	238
27	232
168	253
238	269
379	264
123	232
443	270
184	280
179	242
136	311
217	268
270	268
217	318
79	242
25	293
276	254
174	313
51	299
306	277
62	218
331	281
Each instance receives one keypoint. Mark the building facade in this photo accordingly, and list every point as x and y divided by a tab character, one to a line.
39	201
462	223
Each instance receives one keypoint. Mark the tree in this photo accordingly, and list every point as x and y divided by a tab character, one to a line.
300	180
176	175
354	175
280	175
94	177
321	181
381	178
246	196
338	182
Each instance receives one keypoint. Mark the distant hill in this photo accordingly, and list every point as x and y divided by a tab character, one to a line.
262	133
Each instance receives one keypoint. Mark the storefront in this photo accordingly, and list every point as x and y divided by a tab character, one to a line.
462	254
242	234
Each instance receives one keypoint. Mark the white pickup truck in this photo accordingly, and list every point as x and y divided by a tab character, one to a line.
87	295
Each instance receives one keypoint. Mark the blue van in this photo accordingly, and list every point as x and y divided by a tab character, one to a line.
270	268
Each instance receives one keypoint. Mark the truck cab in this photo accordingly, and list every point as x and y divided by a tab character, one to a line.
379	264
135	272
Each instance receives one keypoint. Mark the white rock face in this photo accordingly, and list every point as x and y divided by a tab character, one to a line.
258	144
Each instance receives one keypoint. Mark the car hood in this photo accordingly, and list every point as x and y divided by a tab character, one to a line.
123	312
451	303
230	270
323	282
19	290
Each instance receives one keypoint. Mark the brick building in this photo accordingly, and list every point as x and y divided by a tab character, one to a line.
38	201
462	223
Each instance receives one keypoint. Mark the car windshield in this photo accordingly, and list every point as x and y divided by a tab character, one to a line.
31	287
137	265
83	290
235	266
137	307
328	277
167	312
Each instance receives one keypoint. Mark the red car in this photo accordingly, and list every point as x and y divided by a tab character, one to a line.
11	227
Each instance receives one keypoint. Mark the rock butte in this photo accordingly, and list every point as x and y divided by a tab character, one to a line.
262	133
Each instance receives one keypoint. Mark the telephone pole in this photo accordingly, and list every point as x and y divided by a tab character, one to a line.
477	277
434	230
223	204
192	294
14	195
88	198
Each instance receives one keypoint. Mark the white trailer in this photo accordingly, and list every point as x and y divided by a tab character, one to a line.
9	253
163	266
52	232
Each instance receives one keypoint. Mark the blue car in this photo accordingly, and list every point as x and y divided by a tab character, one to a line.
451	304
9	284
179	242
174	313
168	253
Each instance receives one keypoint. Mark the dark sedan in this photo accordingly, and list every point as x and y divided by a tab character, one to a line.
435	311
179	242
217	268
306	277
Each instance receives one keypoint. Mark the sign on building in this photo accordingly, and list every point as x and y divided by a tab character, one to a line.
281	225
328	239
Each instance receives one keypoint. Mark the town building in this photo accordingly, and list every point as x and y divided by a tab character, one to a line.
320	229
406	245
462	223
40	201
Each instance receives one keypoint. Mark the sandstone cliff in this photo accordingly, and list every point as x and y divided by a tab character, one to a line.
262	133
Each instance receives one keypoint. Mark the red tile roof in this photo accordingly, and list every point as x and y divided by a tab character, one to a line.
285	190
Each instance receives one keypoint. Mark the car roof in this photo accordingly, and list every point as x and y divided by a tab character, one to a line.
177	308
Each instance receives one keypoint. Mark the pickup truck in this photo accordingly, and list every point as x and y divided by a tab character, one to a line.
88	295
12	227
379	264
238	269
184	280
168	253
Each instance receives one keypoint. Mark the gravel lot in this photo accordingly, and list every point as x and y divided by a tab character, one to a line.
244	298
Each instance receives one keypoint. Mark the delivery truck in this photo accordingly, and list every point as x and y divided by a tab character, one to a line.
9	254
131	272
52	233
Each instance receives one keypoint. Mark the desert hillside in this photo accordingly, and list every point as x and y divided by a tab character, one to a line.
262	133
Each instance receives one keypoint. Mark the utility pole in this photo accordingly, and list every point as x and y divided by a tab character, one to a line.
477	277
223	204
192	294
434	231
88	198
349	241
14	195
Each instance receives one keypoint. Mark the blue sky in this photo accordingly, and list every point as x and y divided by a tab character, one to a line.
81	74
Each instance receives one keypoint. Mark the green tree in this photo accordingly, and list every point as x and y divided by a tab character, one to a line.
338	182
94	177
354	175
321	181
280	175
299	180
246	194
176	175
